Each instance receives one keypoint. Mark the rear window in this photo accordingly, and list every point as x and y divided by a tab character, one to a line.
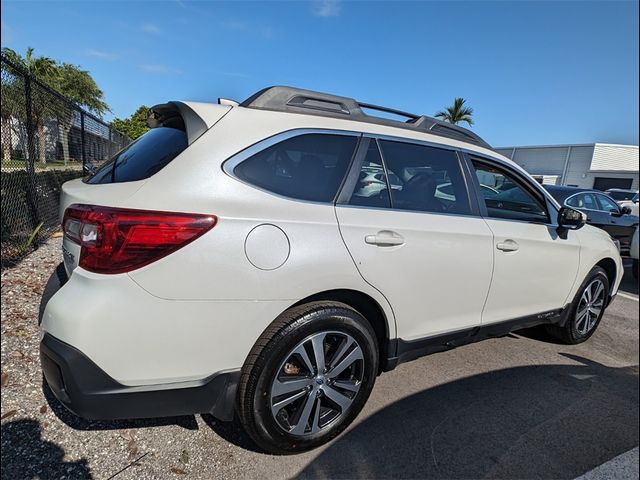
143	158
306	167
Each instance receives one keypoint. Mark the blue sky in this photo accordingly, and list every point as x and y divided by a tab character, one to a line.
535	72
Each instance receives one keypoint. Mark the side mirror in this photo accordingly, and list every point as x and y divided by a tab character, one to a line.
625	210
571	219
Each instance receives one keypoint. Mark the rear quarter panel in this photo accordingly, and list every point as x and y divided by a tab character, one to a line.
215	266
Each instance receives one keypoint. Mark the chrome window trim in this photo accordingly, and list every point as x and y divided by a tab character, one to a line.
236	159
233	161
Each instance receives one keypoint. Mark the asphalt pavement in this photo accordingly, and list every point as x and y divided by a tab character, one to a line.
521	406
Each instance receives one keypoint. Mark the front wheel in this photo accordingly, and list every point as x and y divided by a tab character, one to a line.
307	377
586	310
634	268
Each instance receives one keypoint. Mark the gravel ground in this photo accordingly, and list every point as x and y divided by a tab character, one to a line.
519	406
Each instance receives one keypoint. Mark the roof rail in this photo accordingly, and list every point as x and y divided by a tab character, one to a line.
297	100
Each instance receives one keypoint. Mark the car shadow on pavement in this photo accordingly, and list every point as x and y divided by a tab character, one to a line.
26	455
232	432
539	421
70	419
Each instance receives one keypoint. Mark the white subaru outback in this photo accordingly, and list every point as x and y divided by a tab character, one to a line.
233	259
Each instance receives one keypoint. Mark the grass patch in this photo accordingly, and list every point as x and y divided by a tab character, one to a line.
55	164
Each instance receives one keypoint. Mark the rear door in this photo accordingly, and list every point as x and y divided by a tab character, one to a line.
535	267
431	256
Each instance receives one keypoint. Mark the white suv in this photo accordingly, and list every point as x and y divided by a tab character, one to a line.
230	261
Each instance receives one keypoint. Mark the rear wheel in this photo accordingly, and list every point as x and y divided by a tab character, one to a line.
307	377
586	310
634	268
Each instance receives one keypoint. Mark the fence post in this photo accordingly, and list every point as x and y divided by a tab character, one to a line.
32	192
85	167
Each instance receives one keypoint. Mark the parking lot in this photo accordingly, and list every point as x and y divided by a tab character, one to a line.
515	407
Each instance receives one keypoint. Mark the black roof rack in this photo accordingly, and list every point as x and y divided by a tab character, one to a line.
297	100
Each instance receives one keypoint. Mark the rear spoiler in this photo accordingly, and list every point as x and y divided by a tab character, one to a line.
191	117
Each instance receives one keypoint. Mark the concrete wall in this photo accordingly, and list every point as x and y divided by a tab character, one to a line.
578	165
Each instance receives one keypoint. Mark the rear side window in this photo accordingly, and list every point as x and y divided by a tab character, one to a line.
607	204
583	200
307	167
143	158
425	179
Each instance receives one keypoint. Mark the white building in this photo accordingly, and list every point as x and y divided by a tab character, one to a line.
597	165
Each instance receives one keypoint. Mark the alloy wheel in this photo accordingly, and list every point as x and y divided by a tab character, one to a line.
316	383
590	306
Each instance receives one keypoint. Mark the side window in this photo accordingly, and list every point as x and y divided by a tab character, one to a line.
425	178
371	189
306	167
583	200
507	197
607	204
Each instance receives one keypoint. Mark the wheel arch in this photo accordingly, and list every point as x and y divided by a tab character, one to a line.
611	268
368	307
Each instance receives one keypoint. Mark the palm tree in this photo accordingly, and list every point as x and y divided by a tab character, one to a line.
457	113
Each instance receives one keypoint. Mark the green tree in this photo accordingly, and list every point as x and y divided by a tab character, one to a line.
457	113
70	80
133	126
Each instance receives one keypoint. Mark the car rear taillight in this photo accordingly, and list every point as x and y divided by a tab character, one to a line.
117	240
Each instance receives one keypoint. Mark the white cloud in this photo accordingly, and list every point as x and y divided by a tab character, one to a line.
150	28
159	68
326	8
102	55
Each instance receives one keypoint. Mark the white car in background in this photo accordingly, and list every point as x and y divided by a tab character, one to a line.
231	260
621	194
633	253
446	192
373	182
632	204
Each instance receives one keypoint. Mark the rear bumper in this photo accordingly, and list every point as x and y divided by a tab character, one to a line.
89	392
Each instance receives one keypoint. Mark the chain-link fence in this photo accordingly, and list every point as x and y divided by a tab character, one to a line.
46	140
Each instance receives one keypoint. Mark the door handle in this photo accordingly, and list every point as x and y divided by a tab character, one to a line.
385	238
508	246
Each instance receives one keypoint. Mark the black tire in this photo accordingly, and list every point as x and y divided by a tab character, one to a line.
274	347
570	333
634	268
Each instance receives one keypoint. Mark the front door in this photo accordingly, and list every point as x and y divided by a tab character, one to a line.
408	224
535	268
